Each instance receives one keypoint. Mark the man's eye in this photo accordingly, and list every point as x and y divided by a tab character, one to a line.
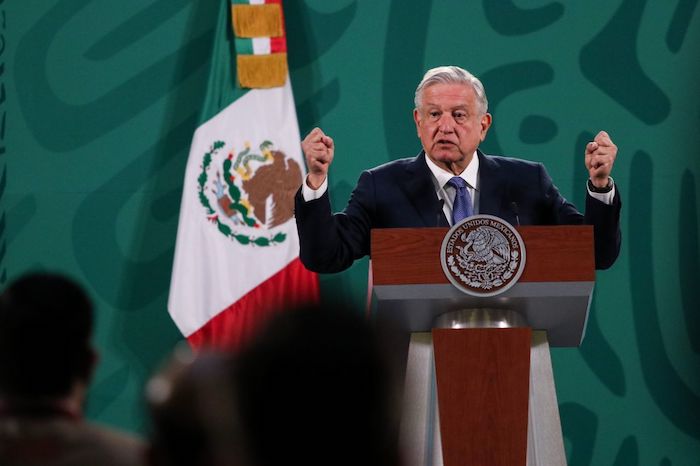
459	116
434	114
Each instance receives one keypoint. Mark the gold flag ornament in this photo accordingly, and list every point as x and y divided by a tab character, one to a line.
261	44
257	20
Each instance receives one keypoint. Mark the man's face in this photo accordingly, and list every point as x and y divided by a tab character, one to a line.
450	125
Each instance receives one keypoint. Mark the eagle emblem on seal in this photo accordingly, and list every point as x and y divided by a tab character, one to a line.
483	255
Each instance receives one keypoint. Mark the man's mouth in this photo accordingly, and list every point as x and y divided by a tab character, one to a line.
444	142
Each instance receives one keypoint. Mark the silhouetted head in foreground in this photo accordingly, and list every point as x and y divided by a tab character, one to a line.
194	421
46	323
314	389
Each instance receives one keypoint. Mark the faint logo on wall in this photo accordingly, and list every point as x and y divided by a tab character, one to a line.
483	255
248	195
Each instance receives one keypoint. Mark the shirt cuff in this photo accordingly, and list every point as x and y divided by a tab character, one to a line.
312	194
605	198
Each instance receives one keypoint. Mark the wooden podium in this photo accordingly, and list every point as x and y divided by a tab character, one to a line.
495	388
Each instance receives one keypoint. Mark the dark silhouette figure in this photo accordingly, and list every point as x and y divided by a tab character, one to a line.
194	421
46	362
314	389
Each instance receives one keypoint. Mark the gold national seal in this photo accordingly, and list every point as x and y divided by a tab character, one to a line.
483	255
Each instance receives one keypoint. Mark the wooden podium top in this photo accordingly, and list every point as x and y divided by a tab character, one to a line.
403	256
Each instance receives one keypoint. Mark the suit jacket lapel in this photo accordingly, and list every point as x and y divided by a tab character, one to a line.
491	186
420	191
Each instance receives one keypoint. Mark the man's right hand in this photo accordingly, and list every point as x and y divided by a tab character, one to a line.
318	150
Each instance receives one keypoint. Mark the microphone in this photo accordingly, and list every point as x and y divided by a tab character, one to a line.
515	210
438	217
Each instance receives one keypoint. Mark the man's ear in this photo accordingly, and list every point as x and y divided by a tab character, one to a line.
486	121
416	118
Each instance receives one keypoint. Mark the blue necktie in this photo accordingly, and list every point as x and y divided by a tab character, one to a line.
462	206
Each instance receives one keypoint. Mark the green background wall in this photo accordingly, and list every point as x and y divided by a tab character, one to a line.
99	100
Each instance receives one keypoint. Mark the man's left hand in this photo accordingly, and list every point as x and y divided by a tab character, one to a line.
600	157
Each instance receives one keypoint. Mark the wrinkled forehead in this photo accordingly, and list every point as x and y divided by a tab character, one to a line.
448	95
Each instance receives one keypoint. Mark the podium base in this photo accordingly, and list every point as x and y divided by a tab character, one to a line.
420	428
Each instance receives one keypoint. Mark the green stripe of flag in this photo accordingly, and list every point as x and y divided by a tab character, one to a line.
244	46
221	86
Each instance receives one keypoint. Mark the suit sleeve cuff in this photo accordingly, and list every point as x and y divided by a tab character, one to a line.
605	198
312	194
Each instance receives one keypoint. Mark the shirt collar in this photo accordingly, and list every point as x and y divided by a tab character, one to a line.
443	176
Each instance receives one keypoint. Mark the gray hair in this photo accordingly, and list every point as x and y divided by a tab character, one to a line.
452	75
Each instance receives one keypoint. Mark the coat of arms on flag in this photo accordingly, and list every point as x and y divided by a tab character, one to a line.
237	250
248	194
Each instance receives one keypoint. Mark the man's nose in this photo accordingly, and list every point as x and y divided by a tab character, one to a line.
446	124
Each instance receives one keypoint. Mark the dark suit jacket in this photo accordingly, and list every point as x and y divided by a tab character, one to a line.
60	441
401	193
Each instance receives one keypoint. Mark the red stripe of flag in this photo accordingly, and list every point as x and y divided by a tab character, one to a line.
238	323
278	44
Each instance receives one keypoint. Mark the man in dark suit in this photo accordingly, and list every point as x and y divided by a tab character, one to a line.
451	120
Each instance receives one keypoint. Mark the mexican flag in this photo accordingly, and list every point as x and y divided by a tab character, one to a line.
236	256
